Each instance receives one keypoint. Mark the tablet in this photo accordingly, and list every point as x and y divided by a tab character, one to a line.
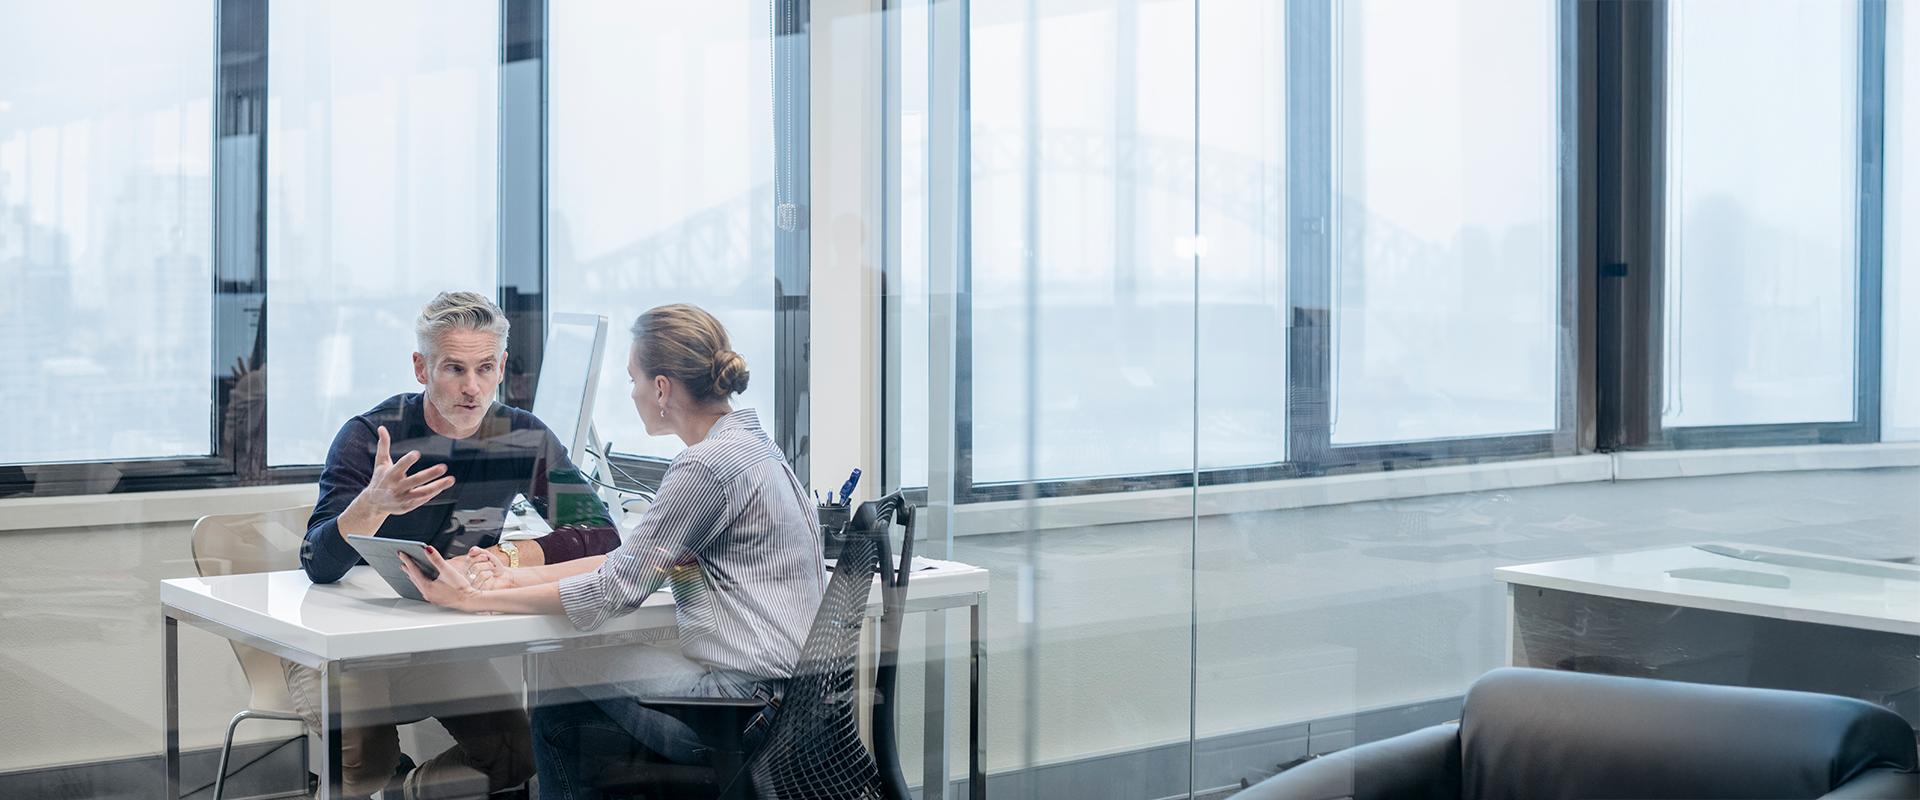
384	556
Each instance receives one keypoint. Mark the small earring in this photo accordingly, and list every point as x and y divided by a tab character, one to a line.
663	412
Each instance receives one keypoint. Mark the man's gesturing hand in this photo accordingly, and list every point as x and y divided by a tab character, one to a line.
391	490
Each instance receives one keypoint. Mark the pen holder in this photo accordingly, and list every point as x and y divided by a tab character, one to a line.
833	528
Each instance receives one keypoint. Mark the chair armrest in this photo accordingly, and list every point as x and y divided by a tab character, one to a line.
1879	784
1422	764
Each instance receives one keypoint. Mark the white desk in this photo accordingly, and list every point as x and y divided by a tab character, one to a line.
1800	587
1725	612
359	623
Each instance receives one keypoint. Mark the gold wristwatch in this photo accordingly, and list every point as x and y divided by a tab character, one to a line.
513	554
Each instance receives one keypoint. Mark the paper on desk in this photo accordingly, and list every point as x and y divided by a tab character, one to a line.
520	526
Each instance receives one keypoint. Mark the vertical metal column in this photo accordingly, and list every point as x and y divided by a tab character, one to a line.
1628	101
792	236
976	700
892	266
331	781
935	776
948	223
1310	206
1871	199
949	251
522	245
170	701
239	236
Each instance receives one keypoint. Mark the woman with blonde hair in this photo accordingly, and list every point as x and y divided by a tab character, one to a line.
732	531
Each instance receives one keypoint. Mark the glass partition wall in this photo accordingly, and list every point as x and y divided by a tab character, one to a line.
1245	342
1248	345
1044	339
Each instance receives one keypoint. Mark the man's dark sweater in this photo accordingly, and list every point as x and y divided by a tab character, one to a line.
512	453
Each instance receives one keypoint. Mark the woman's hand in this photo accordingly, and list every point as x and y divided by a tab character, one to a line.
464	561
487	569
452	589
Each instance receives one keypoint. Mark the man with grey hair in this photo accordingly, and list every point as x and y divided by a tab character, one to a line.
465	458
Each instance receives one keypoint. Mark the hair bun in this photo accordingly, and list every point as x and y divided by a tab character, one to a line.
729	373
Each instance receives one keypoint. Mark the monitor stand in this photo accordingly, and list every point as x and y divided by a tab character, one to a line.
602	477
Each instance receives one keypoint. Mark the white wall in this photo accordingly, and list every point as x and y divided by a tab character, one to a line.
81	663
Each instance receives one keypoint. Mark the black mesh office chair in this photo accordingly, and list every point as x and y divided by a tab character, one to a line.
812	747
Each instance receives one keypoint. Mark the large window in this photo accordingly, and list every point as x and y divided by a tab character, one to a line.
382	190
1445	209
106	220
1135	174
1082	242
661	167
1762	166
359	162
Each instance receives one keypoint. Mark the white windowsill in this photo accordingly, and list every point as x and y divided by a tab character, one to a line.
39	513
1170	504
1735	460
1174	504
146	508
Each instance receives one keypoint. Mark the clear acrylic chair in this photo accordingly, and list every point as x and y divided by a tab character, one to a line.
238	544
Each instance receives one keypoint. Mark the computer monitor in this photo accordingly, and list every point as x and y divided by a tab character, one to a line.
569	378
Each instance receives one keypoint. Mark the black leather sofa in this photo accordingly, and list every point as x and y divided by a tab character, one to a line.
1532	734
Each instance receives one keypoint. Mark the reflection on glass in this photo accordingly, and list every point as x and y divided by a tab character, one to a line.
660	160
1900	322
382	191
1760	251
1445	289
1241	360
1109	151
106	230
912	166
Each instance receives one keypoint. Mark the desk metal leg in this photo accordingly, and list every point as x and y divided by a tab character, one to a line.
331	784
530	678
976	711
933	754
1513	656
170	695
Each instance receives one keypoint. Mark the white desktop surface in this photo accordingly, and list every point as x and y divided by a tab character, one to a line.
1813	595
362	617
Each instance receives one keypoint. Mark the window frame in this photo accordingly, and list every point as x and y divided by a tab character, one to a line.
1646	385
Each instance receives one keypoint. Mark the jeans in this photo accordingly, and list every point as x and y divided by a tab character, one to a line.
586	718
471	701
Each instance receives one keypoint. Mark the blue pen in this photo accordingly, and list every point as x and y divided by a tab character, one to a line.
846	489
